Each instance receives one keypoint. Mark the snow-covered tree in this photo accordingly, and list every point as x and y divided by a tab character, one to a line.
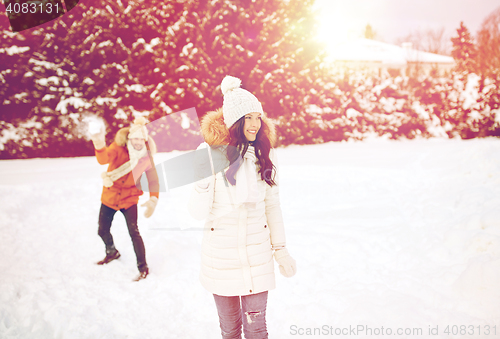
157	57
97	59
268	44
464	50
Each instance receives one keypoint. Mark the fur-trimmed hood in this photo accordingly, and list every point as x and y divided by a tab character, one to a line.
121	138
215	132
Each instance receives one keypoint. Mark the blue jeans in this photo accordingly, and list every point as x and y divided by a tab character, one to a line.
252	313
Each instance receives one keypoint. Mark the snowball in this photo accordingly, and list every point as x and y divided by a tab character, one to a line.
94	127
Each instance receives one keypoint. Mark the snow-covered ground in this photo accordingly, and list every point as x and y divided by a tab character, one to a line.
403	235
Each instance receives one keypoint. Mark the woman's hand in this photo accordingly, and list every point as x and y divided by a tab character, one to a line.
287	264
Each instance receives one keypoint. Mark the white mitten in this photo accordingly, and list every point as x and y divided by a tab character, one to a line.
106	180
150	206
97	136
287	264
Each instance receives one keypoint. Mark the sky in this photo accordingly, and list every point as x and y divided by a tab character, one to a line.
392	19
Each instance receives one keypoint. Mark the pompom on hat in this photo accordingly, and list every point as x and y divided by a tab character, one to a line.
237	101
138	129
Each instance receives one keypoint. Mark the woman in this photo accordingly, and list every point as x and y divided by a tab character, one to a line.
241	206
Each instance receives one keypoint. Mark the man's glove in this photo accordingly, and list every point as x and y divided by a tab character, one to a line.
287	264
97	136
150	206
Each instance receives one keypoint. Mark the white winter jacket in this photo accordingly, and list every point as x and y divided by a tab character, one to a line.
237	255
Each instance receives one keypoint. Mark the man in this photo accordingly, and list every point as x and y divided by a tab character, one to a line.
128	157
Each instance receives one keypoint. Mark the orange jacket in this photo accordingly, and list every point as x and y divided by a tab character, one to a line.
124	193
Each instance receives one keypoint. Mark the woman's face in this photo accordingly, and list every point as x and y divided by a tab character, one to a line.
252	125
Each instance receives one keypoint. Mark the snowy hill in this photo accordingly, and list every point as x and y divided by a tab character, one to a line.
401	235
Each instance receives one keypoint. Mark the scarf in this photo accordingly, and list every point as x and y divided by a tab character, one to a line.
109	177
247	192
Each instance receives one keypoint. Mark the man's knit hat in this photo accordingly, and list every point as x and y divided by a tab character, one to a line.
237	101
138	129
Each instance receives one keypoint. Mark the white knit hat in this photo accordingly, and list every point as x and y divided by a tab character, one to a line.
237	101
138	129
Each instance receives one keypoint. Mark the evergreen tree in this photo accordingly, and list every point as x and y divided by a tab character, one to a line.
488	42
157	57
488	46
99	58
464	51
268	44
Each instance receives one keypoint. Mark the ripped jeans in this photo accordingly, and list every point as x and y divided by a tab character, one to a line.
252	313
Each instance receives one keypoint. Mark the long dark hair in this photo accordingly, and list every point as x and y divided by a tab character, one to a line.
240	144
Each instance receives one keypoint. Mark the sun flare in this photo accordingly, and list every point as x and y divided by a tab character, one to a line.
335	27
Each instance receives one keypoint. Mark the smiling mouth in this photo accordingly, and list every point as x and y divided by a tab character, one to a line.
252	131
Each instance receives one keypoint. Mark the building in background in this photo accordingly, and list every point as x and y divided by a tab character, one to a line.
383	58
